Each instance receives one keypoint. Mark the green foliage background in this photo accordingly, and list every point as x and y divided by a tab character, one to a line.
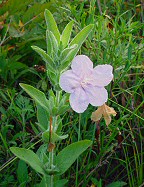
117	39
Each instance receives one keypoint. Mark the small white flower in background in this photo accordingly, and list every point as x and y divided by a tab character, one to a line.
85	83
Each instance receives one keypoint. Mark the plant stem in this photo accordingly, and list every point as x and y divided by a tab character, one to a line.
23	124
99	6
53	123
51	166
50	149
79	127
46	181
4	141
57	96
77	159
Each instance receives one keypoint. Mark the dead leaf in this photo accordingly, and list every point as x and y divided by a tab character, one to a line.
103	111
1	25
21	25
4	16
11	47
92	185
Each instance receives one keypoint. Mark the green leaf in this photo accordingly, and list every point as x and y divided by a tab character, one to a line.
68	155
63	109
81	36
48	42
52	100
55	137
22	173
98	183
54	42
64	104
66	53
117	184
43	117
29	157
57	182
54	79
51	24
77	41
43	182
60	183
42	153
37	95
65	37
68	58
129	52
12	66
45	57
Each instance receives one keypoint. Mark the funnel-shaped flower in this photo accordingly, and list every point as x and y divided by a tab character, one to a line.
85	83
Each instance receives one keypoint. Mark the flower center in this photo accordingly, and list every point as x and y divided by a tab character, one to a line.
85	82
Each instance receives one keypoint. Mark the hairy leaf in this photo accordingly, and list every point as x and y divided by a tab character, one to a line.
65	37
45	57
51	24
117	184
37	95
29	157
81	36
68	155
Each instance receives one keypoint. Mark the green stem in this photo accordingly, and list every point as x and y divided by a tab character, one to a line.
46	181
78	141
4	141
51	154
57	96
51	166
79	127
23	124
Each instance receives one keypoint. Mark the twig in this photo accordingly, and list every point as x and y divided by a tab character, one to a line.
99	6
3	40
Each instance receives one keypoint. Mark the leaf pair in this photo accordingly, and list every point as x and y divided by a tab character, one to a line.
64	159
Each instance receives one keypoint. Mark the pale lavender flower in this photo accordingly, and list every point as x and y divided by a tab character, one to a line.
85	83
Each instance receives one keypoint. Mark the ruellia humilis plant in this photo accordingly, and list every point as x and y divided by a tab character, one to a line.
83	84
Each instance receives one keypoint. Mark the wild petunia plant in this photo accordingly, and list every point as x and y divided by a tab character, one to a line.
60	52
85	85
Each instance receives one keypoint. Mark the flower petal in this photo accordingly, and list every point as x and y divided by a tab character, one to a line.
97	95
102	75
79	100
69	81
82	66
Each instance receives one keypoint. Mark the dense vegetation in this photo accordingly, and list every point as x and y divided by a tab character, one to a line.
116	157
